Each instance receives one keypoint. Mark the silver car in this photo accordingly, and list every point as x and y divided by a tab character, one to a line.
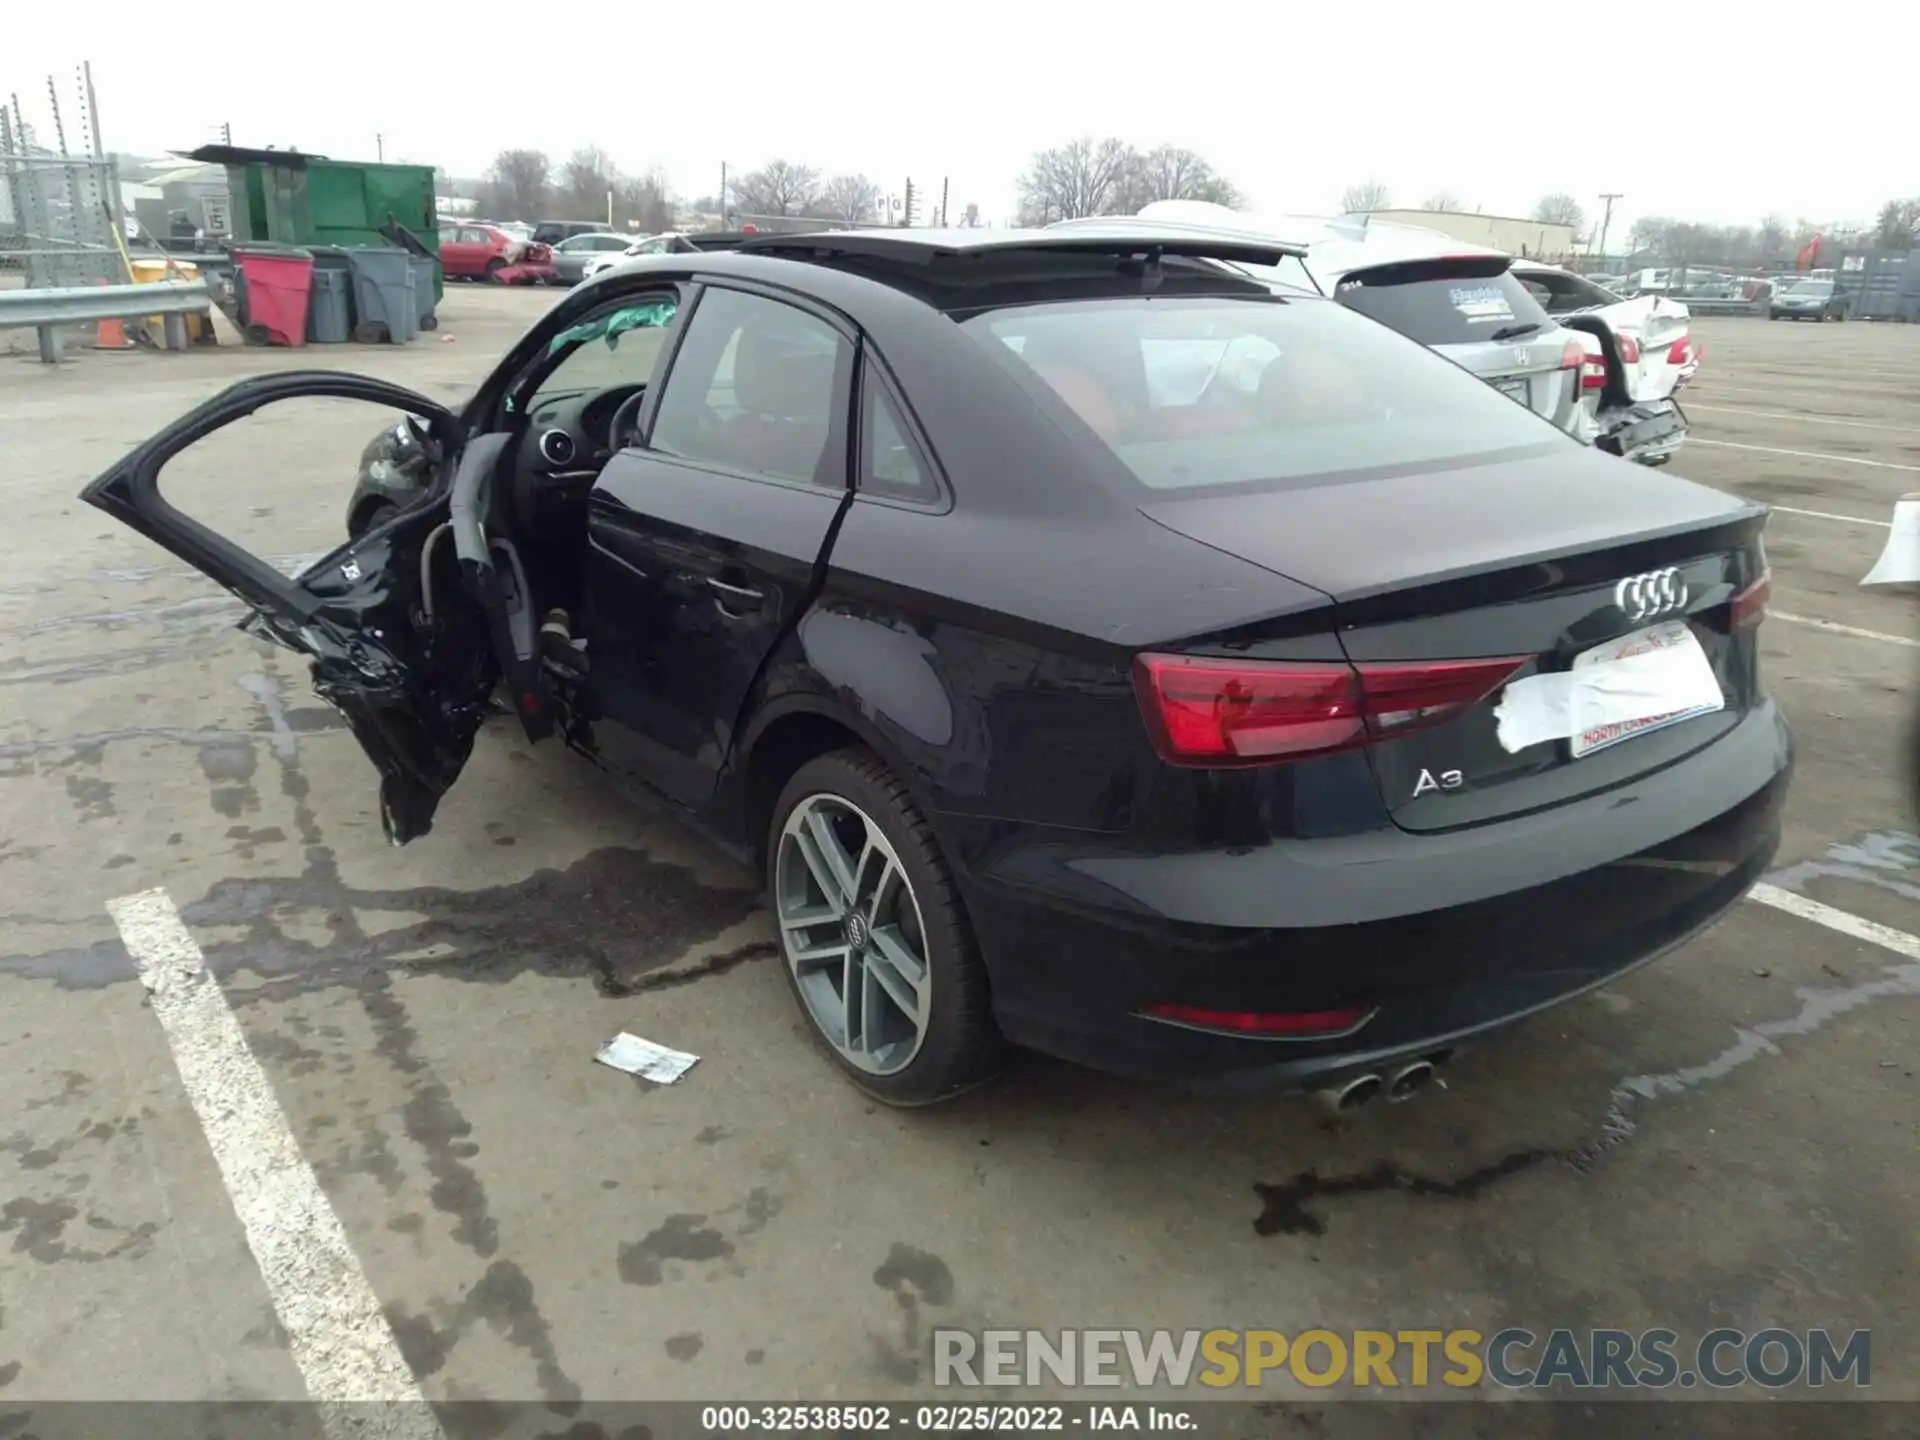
570	257
1461	300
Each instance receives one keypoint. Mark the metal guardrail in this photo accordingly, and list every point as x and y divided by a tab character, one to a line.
1721	305
48	310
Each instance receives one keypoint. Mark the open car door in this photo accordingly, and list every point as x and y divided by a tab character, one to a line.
410	628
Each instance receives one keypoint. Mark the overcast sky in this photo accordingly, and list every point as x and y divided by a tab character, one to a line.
1498	105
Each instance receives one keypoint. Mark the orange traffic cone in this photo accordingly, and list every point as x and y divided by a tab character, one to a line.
111	334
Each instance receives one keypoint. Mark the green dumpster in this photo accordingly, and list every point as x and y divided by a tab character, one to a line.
292	198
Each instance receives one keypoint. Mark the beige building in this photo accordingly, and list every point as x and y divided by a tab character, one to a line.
1533	239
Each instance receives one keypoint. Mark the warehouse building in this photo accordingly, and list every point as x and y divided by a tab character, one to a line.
1533	239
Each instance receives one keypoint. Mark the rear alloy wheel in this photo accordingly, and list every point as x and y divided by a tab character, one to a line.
494	267
876	942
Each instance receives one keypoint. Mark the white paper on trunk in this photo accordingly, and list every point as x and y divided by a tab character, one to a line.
1670	681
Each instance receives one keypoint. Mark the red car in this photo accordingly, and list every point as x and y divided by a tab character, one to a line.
480	252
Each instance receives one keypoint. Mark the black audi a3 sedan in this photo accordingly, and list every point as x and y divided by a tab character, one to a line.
1098	650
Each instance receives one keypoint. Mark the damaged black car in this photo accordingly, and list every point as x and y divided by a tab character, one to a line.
1094	649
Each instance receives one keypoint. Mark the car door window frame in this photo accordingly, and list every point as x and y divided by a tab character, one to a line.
511	408
873	372
841	436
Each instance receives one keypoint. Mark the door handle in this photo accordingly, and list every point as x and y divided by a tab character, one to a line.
736	597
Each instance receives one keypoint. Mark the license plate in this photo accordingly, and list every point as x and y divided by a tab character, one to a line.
1674	634
1515	389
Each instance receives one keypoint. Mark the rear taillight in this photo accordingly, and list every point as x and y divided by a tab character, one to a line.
1749	607
1408	695
1573	356
1629	350
1593	372
1685	351
1299	1023
1202	710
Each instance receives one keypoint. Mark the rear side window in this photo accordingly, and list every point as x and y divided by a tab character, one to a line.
1191	393
1442	303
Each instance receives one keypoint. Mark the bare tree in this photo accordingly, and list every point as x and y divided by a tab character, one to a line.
1770	240
1368	195
584	182
1442	200
1172	172
1082	177
1559	208
642	202
778	187
516	185
852	198
1899	224
970	217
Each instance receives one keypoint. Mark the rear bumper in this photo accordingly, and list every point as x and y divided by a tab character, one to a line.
527	275
1443	937
1648	433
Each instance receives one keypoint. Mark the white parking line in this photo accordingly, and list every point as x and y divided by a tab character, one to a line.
1839	629
1829	515
340	1338
1809	419
1806	455
1871	931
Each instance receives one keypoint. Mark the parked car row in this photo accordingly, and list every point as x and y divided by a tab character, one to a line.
1603	369
1098	643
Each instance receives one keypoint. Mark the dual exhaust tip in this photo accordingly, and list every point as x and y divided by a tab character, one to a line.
1401	1084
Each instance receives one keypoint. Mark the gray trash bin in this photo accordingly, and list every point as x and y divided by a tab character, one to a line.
425	270
383	296
329	320
334	258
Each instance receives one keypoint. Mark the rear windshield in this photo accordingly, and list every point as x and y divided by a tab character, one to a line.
1192	392
1438	304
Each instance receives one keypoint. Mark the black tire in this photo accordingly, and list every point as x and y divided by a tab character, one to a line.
961	1047
429	322
368	516
494	267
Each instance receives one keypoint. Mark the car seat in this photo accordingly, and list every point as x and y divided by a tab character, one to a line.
785	389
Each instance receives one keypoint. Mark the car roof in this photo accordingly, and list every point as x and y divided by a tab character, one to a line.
1331	245
1120	235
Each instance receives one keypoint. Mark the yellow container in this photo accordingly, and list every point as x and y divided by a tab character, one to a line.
156	272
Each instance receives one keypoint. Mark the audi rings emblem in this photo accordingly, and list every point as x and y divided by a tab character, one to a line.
1658	592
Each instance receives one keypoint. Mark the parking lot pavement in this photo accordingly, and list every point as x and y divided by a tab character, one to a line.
1726	1138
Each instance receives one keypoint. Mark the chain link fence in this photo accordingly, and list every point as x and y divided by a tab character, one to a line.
59	211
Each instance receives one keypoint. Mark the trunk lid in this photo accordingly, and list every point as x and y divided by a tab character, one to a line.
1520	556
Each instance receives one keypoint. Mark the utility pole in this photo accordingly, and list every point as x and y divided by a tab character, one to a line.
380	148
943	202
1605	220
723	194
226	133
906	208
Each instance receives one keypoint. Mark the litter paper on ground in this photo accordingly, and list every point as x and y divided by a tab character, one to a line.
646	1059
1899	563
